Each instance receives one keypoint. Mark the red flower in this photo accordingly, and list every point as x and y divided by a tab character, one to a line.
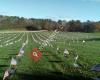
36	54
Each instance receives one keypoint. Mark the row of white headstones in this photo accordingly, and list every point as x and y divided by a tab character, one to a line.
12	39
48	38
14	61
43	40
20	54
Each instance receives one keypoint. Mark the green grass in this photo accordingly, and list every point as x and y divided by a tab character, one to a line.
53	65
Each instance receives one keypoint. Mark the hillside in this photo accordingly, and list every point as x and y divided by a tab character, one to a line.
31	24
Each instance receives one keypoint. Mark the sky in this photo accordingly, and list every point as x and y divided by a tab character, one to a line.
54	9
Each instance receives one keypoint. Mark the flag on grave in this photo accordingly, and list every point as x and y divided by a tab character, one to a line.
36	54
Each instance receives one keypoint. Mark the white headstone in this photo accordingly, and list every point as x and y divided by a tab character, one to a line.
83	41
6	74
66	51
13	61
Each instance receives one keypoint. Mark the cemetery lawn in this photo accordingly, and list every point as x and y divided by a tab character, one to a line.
53	65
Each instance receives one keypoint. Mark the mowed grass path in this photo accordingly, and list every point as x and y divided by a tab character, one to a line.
53	65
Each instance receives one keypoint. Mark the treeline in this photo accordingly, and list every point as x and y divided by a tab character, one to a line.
21	23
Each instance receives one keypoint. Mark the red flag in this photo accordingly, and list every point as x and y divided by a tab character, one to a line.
36	54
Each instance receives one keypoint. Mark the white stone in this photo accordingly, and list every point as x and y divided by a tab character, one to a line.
13	62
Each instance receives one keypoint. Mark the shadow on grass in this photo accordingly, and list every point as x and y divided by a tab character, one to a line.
49	55
48	75
12	54
1	78
52	76
4	58
93	39
1	66
55	61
